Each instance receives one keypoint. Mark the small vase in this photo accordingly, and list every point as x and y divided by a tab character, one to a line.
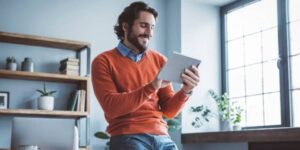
11	66
46	103
236	127
225	125
27	65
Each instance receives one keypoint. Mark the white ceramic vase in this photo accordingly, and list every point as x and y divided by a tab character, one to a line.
11	66
46	102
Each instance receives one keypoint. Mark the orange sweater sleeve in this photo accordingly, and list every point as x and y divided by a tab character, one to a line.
170	103
113	103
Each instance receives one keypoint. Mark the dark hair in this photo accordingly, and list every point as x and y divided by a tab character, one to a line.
129	14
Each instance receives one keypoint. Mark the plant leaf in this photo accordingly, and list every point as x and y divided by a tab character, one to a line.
101	135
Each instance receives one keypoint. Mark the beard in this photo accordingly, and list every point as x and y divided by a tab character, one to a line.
133	39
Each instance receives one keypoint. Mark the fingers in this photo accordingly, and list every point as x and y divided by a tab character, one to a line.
192	73
189	81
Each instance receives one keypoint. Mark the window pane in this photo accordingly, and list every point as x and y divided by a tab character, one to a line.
254	110
295	71
269	13
295	37
235	53
270	44
253	79
252	14
234	24
272	114
296	110
271	77
253	48
236	82
294	10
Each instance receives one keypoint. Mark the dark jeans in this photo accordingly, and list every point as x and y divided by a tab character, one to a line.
142	142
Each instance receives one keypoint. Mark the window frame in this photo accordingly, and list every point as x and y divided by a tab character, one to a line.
283	61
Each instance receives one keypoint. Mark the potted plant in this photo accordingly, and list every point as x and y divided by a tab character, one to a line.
223	110
230	114
11	63
236	116
46	100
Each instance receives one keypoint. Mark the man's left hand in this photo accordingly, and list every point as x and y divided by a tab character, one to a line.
190	78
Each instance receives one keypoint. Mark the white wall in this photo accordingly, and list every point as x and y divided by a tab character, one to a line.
201	39
200	25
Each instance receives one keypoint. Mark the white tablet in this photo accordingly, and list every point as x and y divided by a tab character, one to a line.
175	66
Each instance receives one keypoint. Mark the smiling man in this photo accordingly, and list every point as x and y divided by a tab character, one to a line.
125	84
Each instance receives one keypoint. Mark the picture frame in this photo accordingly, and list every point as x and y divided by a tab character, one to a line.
4	100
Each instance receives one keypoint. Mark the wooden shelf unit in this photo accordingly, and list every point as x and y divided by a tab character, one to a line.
42	113
42	76
42	41
82	82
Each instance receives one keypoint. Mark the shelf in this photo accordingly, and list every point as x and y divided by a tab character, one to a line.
42	76
259	135
42	41
46	113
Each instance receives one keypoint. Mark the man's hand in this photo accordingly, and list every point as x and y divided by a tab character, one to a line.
190	78
157	84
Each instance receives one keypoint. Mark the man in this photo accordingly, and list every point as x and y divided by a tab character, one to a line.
125	84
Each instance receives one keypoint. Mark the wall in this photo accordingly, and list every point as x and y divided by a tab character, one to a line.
201	39
90	21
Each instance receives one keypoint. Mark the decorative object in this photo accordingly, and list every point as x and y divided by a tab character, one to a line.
236	116
230	114
46	100
11	63
4	100
203	115
27	65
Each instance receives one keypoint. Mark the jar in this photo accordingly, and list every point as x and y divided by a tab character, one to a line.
27	65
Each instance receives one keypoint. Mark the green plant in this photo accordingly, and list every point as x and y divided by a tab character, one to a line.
223	104
205	114
45	92
236	114
104	136
226	110
10	59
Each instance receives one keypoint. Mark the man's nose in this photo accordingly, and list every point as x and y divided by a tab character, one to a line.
149	31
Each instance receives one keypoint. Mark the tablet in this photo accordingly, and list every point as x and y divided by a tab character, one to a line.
175	66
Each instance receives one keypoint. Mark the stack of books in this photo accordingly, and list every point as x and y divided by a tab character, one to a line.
77	101
69	66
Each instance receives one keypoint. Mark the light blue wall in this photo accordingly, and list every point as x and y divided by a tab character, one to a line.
200	36
90	21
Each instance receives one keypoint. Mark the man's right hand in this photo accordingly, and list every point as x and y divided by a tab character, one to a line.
157	84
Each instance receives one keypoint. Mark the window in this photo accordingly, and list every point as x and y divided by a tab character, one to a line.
253	51
294	26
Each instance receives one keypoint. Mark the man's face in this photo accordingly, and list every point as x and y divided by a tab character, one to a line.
141	31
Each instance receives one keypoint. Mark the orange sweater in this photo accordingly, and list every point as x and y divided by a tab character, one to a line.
130	102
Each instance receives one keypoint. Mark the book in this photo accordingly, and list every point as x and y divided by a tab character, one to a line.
69	60
73	100
70	63
70	72
82	100
68	67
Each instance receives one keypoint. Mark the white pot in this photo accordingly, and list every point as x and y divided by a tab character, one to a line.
237	127
46	102
11	66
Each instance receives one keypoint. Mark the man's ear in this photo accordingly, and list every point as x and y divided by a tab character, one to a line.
125	27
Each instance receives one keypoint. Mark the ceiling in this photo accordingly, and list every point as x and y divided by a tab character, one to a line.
215	2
